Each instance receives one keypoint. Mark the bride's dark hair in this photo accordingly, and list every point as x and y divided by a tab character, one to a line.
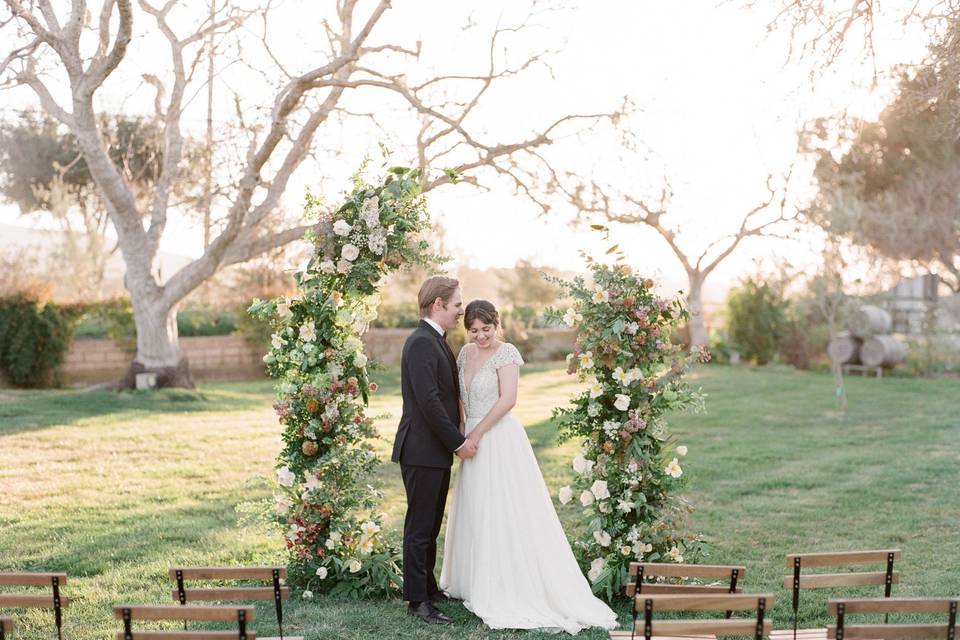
482	310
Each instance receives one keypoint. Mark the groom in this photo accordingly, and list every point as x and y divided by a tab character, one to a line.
426	439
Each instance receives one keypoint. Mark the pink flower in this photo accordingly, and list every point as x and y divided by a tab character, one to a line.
282	407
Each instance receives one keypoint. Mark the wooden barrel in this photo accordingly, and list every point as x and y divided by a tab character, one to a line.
884	351
870	321
844	348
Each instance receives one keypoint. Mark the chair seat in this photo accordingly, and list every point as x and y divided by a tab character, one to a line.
802	634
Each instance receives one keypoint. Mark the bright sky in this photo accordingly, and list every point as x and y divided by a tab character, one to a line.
718	111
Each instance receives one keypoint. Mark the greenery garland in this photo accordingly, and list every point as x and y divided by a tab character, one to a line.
628	471
325	503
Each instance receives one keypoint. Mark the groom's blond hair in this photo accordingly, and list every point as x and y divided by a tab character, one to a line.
435	287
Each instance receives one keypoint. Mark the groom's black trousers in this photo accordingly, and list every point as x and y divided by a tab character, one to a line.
426	497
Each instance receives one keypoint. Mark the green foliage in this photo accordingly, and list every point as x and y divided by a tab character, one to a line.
892	187
756	319
34	338
111	318
206	322
628	474
36	151
397	316
326	505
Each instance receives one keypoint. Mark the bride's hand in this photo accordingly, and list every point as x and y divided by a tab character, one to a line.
474	438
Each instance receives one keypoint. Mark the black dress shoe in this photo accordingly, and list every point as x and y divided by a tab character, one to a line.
428	613
440	596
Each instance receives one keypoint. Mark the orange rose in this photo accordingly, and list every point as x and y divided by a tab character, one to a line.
309	448
312	405
373	387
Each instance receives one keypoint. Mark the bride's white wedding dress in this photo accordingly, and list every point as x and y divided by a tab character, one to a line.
505	554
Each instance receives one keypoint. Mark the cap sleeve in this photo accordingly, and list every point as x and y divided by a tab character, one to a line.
508	354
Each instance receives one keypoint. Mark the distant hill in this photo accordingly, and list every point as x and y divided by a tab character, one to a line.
40	247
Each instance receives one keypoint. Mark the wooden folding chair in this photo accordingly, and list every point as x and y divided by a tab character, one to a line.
27	601
274	592
172	612
798	581
6	628
647	628
639	571
916	631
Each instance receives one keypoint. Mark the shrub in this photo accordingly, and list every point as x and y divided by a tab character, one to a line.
206	322
397	316
756	320
34	338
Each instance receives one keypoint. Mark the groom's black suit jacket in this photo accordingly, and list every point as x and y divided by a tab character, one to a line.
429	432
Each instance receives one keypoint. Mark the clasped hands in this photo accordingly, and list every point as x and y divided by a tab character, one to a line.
469	448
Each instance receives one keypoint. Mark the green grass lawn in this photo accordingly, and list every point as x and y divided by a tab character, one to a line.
116	488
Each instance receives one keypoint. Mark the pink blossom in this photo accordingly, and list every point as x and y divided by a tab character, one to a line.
282	407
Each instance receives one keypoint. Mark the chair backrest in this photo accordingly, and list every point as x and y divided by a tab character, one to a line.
758	626
6	628
27	601
915	631
129	613
273	575
639	571
798	581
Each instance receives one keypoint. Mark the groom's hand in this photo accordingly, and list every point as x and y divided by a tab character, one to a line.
468	450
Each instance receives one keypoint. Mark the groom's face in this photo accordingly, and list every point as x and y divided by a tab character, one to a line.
447	315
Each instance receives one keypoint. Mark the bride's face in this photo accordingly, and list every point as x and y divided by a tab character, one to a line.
481	334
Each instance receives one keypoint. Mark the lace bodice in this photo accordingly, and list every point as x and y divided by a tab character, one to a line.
484	389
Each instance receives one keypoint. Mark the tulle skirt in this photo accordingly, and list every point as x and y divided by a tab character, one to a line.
505	553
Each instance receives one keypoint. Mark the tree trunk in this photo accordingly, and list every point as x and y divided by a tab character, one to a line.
697	326
158	348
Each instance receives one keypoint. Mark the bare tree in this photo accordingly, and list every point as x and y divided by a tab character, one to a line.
601	203
276	144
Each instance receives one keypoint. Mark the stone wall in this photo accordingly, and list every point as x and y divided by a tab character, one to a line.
94	360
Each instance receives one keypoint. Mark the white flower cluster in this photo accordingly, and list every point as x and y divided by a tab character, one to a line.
369	234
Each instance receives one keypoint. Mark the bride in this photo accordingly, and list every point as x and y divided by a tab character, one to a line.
505	554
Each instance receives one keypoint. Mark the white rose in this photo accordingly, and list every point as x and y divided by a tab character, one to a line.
622	402
342	228
276	341
285	477
579	464
308	595
344	266
586	498
602	538
349	252
327	266
565	495
682	450
283	310
354	566
599	490
596	568
308	332
330	544
322	573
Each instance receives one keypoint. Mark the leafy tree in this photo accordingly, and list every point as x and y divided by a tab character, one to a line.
756	319
894	189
